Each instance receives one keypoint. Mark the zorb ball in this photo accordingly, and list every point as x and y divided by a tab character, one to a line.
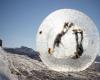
67	41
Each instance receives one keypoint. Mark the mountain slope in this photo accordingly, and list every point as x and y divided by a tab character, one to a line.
22	67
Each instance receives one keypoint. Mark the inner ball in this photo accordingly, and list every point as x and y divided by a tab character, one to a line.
67	42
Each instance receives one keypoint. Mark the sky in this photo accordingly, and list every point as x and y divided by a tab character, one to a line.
20	19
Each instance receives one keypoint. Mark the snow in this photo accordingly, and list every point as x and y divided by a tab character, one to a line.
21	67
12	64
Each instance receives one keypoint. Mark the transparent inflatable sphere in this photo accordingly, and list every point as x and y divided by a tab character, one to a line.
67	40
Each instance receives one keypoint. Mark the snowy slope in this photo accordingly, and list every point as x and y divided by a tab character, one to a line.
21	67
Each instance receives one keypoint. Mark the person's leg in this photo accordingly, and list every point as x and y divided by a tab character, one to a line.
67	27
65	24
77	44
80	51
81	36
81	46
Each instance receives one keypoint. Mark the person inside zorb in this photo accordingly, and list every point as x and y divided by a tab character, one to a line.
67	40
79	46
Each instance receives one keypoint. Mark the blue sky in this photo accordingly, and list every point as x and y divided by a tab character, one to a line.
20	19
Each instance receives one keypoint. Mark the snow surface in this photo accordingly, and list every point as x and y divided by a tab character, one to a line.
11	65
60	59
14	66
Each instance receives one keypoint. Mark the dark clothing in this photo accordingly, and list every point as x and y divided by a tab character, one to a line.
57	40
79	49
79	46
